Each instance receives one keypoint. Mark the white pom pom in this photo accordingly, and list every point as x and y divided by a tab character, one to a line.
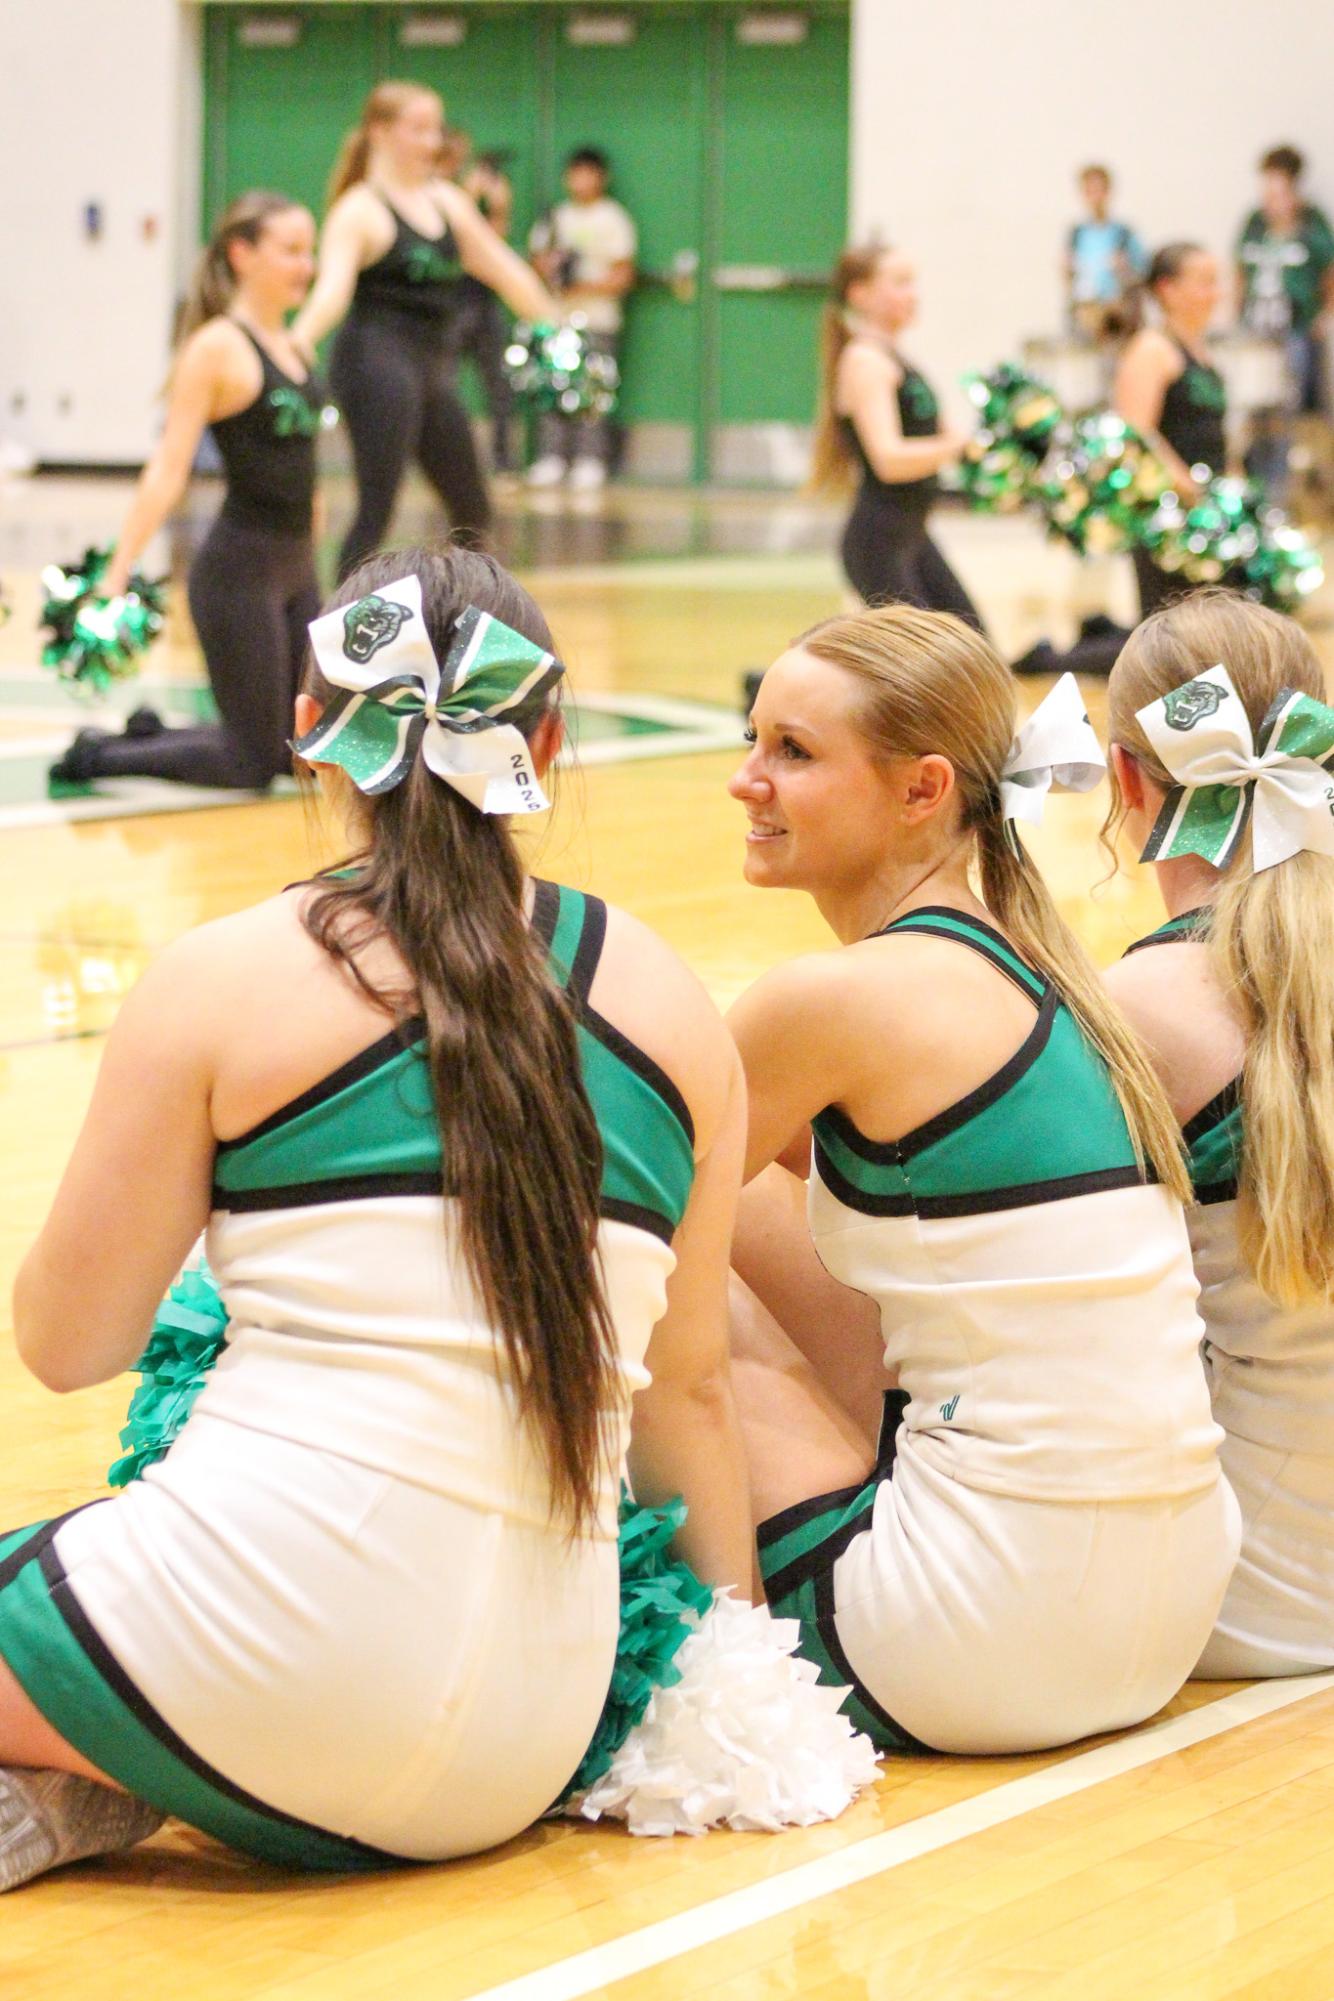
747	1739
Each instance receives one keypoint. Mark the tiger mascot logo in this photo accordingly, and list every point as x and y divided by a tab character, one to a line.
371	624
1185	707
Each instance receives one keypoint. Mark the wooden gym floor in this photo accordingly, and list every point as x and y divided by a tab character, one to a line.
1193	1858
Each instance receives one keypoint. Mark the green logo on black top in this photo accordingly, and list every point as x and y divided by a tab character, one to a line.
1205	389
293	416
424	265
1185	707
371	624
918	398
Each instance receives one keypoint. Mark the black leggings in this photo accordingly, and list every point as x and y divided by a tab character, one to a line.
396	391
252	595
890	558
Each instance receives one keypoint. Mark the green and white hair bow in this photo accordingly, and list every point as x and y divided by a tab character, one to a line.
396	701
1223	773
1057	748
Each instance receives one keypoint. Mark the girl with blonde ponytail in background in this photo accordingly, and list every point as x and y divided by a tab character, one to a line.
252	585
879	419
1221	750
397	240
1038	1546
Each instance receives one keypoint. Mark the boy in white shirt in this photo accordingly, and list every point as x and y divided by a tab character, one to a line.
585	250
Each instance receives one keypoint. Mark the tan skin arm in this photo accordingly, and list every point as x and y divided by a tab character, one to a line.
866	392
1146	371
486	256
136	1192
347	245
685	1438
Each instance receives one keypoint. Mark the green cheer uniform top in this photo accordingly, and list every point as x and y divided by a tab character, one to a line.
334	1240
1035	1288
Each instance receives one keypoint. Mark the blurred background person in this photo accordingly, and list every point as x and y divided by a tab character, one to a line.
478	331
1104	261
584	248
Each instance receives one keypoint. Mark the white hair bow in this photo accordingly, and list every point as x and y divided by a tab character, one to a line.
1055	747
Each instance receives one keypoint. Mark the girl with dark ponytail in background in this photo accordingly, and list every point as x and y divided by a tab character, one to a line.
467	1147
879	419
252	585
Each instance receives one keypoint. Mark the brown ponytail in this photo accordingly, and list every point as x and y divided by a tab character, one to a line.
832	458
522	1153
1271	941
213	281
385	103
928	682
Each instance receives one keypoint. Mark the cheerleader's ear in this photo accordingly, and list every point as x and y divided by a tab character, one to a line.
305	715
546	741
1129	778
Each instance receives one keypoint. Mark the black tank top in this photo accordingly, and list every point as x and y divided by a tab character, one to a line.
919	417
416	280
1193	412
268	451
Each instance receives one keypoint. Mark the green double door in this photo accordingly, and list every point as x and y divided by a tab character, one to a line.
727	126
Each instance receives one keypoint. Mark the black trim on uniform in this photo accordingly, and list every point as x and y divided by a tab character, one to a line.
312	1194
826	1623
613	1210
909	921
818	1561
643	1065
592	937
18	1559
399	1039
982	1202
546	910
82	1630
892	1153
1178	930
774	1527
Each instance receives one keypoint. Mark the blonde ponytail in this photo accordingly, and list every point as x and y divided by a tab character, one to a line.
1271	941
833	460
385	103
930	683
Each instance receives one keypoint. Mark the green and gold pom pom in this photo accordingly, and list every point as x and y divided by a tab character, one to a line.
554	371
94	640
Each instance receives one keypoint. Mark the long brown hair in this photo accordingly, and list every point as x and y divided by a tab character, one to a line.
213	281
832	457
385	103
1271	941
522	1154
929	683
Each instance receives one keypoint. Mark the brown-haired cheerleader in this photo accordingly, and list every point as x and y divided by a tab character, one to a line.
1221	747
252	585
467	1147
397	239
1038	1546
879	420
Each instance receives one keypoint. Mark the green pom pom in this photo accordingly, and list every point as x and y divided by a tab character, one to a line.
553	370
188	1335
93	640
660	1598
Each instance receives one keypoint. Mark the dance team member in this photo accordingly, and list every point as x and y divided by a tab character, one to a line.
1168	388
1040	1549
252	585
879	418
463	1142
396	241
1223	771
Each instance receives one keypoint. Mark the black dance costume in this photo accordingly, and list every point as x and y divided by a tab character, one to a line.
1192	424
887	553
253	591
393	375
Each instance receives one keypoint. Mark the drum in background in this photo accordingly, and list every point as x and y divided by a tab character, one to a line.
1255	372
1078	374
